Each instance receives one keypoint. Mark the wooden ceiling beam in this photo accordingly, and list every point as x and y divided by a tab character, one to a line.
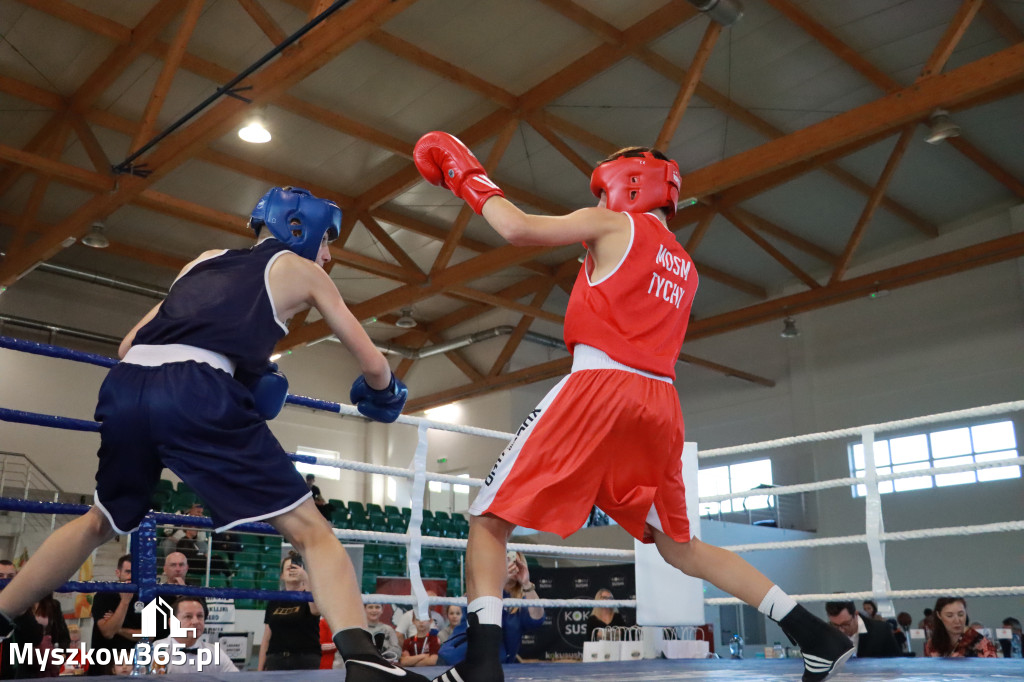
73	175
1002	23
502	382
381	235
523	326
447	70
559	144
768	227
884	115
92	146
869	209
465	293
768	248
886	83
27	220
172	61
320	45
689	85
262	17
698	232
731	281
73	14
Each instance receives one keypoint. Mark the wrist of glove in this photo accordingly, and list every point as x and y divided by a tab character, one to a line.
443	159
382	405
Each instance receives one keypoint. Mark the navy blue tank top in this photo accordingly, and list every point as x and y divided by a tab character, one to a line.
223	305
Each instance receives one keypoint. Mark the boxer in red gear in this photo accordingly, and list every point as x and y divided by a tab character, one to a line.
610	433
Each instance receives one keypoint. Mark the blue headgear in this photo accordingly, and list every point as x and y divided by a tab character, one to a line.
297	218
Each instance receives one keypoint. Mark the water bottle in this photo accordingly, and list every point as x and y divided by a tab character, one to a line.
779	653
138	669
736	646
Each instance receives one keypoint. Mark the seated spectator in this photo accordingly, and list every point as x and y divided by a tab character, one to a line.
603	617
952	638
422	648
404	625
325	508
191	614
55	633
1012	646
927	623
454	615
115	620
870	610
175	569
384	636
514	621
873	638
75	639
7	569
291	635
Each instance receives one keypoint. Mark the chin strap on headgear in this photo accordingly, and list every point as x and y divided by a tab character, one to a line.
638	182
298	219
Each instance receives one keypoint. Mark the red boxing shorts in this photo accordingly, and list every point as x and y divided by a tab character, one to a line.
606	435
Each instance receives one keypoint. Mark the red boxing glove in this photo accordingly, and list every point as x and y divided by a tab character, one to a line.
443	160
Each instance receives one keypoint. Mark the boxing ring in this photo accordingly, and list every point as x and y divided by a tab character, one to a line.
144	547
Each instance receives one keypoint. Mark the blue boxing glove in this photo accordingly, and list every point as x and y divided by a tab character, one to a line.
269	392
382	405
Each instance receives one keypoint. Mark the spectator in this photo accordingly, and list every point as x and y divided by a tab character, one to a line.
927	623
175	569
384	636
514	621
422	648
1012	646
329	658
115	621
291	636
454	615
873	638
191	613
55	633
7	569
189	545
405	627
75	637
870	610
603	616
952	638
323	506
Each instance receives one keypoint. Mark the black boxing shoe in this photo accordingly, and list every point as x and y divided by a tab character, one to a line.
483	655
824	648
363	663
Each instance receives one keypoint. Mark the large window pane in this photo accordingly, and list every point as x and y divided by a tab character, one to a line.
909	449
952	443
997	473
989	437
958	478
318	470
914	483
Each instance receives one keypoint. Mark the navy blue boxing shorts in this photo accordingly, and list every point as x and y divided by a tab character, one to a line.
200	423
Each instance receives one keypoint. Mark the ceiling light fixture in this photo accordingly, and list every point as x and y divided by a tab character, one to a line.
942	127
406	321
789	330
95	237
725	12
255	130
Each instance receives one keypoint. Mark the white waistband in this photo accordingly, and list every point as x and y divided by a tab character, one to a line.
588	357
154	356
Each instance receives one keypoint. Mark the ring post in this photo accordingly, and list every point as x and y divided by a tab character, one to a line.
144	559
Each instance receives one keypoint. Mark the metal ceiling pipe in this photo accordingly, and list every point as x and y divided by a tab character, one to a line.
102	280
725	12
58	329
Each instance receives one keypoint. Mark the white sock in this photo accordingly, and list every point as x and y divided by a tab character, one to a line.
487	610
776	604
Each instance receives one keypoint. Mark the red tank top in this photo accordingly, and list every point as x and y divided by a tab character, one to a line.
638	313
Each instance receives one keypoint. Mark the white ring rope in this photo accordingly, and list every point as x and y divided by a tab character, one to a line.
850	481
984	411
351	411
891	594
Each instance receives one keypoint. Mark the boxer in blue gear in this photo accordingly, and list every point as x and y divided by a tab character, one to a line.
192	393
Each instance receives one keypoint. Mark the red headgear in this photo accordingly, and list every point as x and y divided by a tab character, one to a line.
638	183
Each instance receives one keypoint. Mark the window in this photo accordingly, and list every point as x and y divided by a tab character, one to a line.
320	471
448	497
735	478
938	450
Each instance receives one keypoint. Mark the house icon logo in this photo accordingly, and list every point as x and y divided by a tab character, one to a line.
158	615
